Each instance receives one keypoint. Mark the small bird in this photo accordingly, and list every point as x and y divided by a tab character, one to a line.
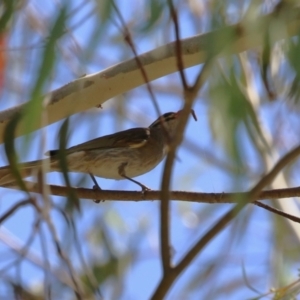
121	155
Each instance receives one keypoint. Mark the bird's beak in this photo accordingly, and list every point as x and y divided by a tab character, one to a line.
194	115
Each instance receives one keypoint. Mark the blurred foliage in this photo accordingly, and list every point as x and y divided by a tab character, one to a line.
248	111
10	150
293	56
227	99
155	9
33	109
73	201
8	7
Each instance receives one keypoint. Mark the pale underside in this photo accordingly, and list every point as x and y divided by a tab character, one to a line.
108	163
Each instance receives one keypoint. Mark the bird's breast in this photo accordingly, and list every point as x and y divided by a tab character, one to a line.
105	163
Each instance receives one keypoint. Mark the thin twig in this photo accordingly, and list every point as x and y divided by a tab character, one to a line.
25	249
169	278
78	288
190	94
44	250
13	209
77	285
277	211
13	243
128	39
93	282
165	184
178	49
129	196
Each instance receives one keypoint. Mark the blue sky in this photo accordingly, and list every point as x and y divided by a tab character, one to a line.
247	243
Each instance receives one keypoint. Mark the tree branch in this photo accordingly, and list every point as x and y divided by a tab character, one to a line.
168	279
277	211
94	89
126	196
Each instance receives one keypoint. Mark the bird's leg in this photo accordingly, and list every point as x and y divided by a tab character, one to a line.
96	186
144	188
122	173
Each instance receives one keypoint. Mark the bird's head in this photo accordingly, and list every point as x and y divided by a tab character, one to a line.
169	121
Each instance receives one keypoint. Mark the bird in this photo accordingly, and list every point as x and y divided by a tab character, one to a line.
121	155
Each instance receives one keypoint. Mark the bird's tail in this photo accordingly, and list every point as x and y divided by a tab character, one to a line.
26	170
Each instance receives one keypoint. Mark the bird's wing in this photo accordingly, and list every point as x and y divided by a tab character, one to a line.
131	138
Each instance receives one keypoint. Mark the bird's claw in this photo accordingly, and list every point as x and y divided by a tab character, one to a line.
97	188
145	189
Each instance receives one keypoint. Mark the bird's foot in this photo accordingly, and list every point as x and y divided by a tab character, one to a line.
96	187
144	188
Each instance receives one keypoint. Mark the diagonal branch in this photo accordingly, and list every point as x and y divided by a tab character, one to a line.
277	211
169	278
13	243
128	39
94	89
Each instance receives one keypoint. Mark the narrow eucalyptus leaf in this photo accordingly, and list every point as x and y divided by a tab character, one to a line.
8	7
10	151
105	10
265	66
293	56
98	31
232	117
33	109
156	8
63	163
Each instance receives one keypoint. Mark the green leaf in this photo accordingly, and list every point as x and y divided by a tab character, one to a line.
156	8
10	151
104	11
265	66
34	107
232	115
73	200
293	56
105	8
8	7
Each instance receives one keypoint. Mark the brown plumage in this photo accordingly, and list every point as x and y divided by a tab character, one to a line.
121	155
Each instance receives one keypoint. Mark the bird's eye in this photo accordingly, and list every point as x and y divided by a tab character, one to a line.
168	115
164	118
